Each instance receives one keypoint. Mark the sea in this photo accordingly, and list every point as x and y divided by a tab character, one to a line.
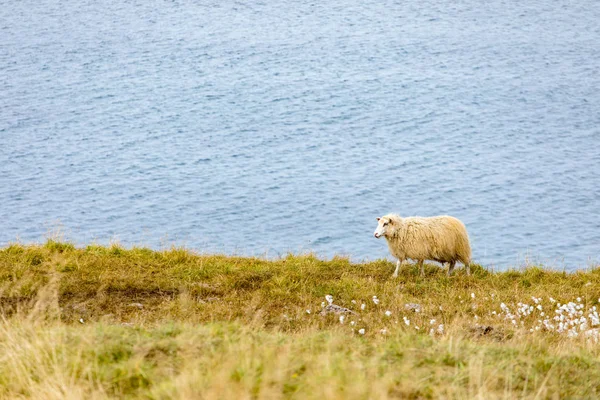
268	128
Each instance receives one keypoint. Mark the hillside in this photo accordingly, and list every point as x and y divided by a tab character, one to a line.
105	322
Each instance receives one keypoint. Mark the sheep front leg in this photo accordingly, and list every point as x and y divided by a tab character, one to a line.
398	264
420	263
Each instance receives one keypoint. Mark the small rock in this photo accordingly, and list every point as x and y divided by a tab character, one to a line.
137	305
79	308
495	333
481	330
332	308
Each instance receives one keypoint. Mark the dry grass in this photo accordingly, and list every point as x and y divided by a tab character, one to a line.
105	322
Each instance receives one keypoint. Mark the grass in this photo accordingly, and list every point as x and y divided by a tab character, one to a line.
109	322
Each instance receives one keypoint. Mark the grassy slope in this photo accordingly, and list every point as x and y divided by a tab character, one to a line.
173	324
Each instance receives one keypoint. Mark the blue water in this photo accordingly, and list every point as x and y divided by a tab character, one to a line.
269	127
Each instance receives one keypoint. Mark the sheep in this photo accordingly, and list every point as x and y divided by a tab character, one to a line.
442	239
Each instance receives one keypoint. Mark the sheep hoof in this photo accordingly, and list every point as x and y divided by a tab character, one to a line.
394	275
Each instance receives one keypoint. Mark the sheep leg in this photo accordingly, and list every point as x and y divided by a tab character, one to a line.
398	263
468	268
420	263
451	267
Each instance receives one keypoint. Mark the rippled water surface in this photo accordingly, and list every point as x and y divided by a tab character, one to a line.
278	126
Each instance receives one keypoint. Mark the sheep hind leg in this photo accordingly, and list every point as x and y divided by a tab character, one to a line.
451	265
395	274
421	268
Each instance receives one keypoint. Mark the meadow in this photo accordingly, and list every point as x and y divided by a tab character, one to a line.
112	322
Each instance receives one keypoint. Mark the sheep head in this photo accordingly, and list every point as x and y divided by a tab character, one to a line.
383	226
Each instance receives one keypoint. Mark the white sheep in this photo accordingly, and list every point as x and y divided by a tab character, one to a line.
442	239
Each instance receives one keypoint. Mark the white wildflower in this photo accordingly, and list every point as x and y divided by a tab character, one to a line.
572	333
342	318
329	298
593	334
362	306
472	295
406	321
388	313
594	318
308	311
431	322
361	331
375	300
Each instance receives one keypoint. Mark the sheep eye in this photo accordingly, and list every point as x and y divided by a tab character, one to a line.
385	223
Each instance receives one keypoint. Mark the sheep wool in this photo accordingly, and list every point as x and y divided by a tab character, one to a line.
442	238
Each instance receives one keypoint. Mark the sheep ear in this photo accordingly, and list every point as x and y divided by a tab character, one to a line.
378	218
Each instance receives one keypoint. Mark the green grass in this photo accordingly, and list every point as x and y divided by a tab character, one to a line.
110	322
